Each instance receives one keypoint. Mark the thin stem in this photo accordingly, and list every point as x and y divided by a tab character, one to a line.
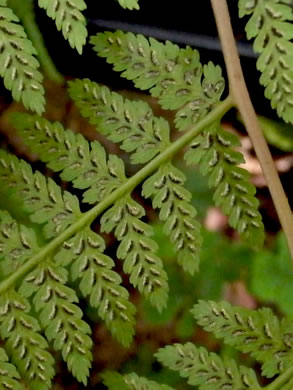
281	380
128	186
242	100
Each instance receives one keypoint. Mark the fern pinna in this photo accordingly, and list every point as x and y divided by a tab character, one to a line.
257	332
270	25
42	264
18	56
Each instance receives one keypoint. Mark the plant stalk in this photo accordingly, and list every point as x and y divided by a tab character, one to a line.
281	380
240	95
87	218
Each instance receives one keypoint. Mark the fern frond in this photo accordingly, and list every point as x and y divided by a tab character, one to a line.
173	75
42	198
60	316
132	381
206	370
257	332
270	26
213	149
93	270
173	200
137	249
130	4
26	348
18	66
85	248
90	168
83	163
9	376
17	244
69	19
141	133
130	122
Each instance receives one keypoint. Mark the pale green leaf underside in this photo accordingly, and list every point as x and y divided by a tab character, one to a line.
137	249
141	133
175	76
9	376
60	316
132	381
166	189
214	151
86	165
69	19
18	66
93	270
17	244
130	123
206	370
257	332
130	4
25	346
271	27
42	198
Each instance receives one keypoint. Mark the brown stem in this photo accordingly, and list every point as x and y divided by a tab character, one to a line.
240	95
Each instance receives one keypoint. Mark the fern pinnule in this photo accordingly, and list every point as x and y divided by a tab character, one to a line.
130	123
206	370
93	270
137	249
173	75
69	19
169	195
270	26
9	376
17	244
132	381
257	332
59	316
18	66
24	344
214	151
130	4
42	198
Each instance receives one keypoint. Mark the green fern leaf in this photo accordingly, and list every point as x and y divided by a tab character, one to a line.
17	244
130	4
86	167
69	19
18	66
172	74
42	198
270	26
9	376
130	122
115	381
137	249
213	149
206	370
96	279
60	316
26	348
173	200
145	136
70	153
257	332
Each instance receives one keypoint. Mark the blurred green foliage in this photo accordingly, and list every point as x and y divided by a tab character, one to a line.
272	276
